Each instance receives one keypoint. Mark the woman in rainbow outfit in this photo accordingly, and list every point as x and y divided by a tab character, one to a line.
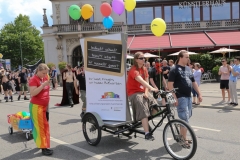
39	89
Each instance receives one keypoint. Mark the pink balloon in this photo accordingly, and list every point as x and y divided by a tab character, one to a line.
118	6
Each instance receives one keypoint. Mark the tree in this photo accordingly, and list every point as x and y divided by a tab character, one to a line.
21	30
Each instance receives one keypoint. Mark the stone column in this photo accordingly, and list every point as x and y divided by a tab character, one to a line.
59	47
58	13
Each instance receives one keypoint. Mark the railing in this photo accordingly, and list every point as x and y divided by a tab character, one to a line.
119	27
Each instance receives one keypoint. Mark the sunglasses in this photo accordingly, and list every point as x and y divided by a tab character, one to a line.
223	61
142	58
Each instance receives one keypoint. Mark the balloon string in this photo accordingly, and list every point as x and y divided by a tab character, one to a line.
160	65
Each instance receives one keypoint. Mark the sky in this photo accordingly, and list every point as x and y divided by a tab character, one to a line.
10	9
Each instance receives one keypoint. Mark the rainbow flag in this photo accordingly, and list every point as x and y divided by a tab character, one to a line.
40	131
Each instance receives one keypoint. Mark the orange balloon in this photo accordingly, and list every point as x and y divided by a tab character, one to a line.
87	11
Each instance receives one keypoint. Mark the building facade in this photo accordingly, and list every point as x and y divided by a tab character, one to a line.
192	25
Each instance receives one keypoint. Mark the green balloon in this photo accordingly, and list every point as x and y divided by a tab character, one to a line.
24	114
74	11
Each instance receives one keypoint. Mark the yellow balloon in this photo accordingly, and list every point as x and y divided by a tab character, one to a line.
158	27
130	5
87	11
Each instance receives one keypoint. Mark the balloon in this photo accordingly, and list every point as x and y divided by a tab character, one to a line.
74	11
130	5
158	27
87	11
106	9
118	6
19	115
24	114
108	22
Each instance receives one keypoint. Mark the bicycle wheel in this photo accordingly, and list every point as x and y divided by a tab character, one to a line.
91	130
178	146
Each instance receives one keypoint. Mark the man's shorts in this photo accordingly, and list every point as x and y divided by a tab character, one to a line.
54	80
24	87
184	108
7	86
224	84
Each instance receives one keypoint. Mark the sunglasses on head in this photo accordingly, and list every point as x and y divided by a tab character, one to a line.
142	58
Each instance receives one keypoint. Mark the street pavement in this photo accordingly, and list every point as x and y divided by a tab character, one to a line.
217	132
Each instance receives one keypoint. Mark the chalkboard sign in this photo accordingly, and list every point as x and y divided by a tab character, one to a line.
104	56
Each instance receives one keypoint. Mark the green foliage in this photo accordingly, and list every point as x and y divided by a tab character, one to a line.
206	61
21	30
218	61
62	65
195	57
215	70
50	65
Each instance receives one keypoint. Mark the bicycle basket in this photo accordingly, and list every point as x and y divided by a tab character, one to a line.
170	98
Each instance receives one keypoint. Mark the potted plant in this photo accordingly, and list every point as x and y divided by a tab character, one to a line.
50	65
62	66
215	71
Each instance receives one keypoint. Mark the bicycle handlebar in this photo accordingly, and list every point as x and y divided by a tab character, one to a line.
166	92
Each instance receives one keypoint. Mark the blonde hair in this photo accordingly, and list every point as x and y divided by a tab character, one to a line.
198	65
41	67
171	61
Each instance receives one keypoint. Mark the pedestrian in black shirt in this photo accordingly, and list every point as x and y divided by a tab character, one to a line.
82	87
181	77
23	80
165	69
157	79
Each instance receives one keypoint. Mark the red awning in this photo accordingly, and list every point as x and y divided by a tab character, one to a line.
225	37
199	39
148	42
184	40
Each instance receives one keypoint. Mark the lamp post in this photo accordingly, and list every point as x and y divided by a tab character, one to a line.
21	50
1	58
20	36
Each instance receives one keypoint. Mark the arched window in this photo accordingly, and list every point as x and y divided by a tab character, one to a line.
77	57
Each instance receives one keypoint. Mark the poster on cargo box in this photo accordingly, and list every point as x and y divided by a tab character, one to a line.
105	65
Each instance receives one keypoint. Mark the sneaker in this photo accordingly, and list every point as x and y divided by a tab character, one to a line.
235	104
82	114
149	137
231	103
11	98
25	98
47	152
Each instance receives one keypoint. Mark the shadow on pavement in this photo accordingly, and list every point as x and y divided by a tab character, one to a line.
69	121
224	111
120	148
16	137
59	152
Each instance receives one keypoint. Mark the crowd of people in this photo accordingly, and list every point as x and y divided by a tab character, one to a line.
143	81
165	76
17	82
229	75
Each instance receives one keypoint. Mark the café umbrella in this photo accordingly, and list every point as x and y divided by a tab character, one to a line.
149	55
129	57
176	54
224	51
